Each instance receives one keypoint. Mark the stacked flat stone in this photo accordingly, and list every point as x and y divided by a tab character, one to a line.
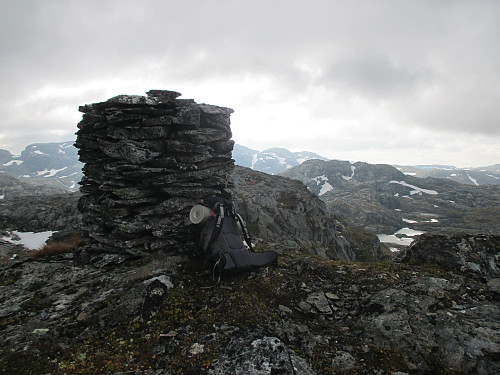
148	160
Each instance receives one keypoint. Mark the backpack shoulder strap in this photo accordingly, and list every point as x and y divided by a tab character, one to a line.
219	217
244	229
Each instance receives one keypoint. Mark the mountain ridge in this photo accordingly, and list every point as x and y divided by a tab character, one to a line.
56	164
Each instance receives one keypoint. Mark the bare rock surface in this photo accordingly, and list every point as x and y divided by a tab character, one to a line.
158	315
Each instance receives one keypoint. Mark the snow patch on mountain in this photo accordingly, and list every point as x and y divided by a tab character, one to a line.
474	181
490	175
12	162
255	158
416	189
409	221
320	179
50	173
281	160
349	178
326	187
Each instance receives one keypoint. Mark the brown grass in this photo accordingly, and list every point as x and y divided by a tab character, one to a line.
54	248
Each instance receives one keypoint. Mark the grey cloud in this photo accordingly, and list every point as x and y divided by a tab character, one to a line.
375	76
427	64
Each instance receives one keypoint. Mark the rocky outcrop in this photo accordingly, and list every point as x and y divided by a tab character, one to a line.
282	211
11	187
33	208
278	209
475	254
54	212
148	160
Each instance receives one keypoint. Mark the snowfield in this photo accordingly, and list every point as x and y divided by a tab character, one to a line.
416	189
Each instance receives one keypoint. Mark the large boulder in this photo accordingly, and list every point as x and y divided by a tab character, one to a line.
282	210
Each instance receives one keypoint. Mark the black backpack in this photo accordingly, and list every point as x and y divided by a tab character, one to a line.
224	252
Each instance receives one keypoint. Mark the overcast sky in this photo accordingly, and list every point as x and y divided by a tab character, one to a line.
398	82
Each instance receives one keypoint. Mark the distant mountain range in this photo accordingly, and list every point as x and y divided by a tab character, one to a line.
272	160
382	199
57	165
54	164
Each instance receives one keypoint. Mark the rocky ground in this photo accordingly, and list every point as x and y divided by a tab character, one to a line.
306	315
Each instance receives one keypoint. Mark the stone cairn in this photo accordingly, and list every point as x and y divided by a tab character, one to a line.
148	160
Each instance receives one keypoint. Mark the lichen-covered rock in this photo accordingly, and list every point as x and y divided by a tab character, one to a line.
259	356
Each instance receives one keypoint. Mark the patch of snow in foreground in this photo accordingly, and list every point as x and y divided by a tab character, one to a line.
474	181
416	189
30	240
39	152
